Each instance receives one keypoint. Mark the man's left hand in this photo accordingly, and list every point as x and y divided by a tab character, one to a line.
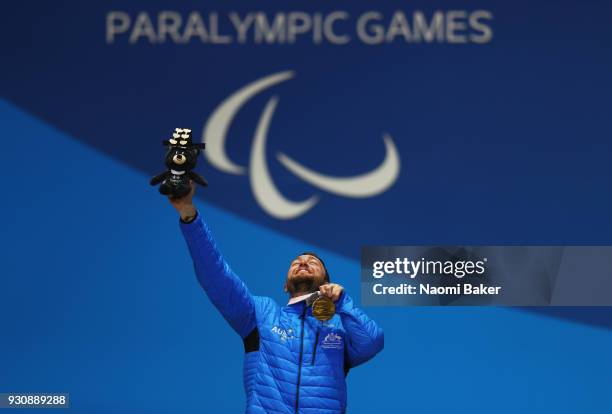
331	290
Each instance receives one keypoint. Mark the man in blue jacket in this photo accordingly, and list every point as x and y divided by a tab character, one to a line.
294	362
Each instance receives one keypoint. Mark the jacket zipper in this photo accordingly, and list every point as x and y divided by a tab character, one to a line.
299	376
314	351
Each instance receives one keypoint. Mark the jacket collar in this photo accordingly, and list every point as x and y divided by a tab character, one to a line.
298	299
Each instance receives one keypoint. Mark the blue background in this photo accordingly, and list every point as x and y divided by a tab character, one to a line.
507	142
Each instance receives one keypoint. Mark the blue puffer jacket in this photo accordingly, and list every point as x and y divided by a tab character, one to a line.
294	363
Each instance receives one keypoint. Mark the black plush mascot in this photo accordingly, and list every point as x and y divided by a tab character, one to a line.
181	159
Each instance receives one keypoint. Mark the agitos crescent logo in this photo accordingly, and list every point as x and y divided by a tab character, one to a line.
266	194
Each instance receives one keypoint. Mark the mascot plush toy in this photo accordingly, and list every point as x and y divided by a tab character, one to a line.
181	159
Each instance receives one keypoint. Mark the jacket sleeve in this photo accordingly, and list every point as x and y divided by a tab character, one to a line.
226	291
364	337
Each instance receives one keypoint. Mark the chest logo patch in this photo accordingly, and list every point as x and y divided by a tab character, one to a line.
332	341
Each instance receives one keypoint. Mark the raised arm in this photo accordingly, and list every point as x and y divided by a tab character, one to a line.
226	291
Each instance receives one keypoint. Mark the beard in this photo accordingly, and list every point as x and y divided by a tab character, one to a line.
301	285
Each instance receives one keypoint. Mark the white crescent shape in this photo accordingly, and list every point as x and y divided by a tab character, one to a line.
364	185
215	131
266	194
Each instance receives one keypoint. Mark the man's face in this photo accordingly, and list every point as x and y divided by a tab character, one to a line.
306	273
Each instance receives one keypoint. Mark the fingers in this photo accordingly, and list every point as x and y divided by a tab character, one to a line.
331	290
324	289
336	292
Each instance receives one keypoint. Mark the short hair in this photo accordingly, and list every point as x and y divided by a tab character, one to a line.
322	262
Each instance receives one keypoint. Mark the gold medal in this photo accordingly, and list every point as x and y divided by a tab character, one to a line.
323	308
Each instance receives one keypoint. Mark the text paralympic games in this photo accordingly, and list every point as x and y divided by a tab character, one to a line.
337	27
